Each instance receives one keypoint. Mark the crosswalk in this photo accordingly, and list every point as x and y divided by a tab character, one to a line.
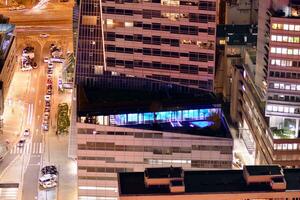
9	191
28	148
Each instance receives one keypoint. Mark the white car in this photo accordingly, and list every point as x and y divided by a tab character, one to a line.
26	132
47	97
44	35
47	180
49	184
46	60
50	65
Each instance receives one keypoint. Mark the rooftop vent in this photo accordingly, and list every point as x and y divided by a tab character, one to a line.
272	174
164	176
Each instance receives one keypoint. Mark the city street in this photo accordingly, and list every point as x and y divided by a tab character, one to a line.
24	108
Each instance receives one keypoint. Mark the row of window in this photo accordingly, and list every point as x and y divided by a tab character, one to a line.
134	134
285	63
284	38
105	169
188	69
283	109
285	75
148	14
154	149
193	56
284	98
285	86
188	30
157	40
285	51
287	27
211	164
199	83
202	5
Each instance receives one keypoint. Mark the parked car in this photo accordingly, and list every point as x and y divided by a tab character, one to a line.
47	178
46	59
50	169
47	97
26	132
44	35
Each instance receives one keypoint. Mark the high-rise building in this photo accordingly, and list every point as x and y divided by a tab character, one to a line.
125	130
165	40
251	183
283	90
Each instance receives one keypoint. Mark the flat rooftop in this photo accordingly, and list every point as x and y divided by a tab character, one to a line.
263	170
212	181
101	101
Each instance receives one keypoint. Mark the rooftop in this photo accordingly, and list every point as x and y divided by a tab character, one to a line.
263	170
207	181
238	34
101	101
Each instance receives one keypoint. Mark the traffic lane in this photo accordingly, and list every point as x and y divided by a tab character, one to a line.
30	182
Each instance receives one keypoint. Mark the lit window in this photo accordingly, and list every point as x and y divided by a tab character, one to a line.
279	38
286	109
109	21
276	85
280	108
283	63
291	39
273	37
297	27
170	2
292	110
273	49
273	62
296	40
284	38
279	26
289	63
291	27
296	51
281	86
293	87
288	87
277	62
290	51
274	26
284	50
275	109
269	107
222	42
298	87
128	24
285	27
278	50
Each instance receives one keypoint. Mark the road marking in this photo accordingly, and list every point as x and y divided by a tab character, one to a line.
41	150
28	148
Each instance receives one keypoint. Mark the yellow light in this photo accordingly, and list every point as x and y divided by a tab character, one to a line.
222	42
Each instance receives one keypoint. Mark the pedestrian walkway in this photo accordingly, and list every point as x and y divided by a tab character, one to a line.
28	148
9	191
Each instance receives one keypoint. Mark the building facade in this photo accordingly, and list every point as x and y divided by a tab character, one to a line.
126	134
165	40
8	59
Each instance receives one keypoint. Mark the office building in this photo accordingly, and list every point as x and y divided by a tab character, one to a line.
251	183
165	40
8	59
125	130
